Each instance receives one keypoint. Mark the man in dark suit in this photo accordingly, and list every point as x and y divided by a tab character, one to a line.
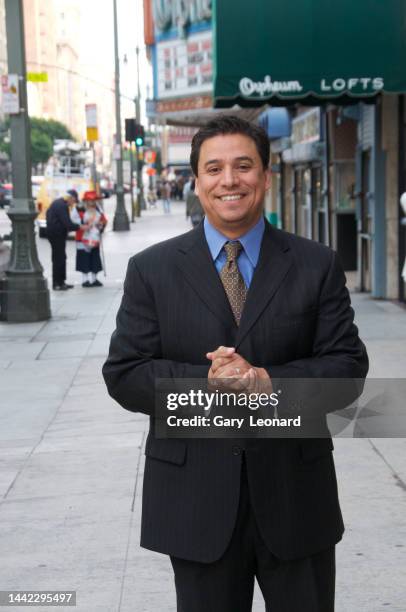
59	225
237	299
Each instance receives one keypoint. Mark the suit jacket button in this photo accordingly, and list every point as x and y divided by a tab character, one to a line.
237	450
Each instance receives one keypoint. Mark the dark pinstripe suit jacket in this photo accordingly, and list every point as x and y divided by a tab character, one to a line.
297	322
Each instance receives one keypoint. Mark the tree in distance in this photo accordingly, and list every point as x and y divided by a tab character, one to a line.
43	134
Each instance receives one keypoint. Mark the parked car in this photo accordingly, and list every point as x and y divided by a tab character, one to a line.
6	192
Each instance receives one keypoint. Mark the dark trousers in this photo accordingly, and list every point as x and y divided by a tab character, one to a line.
302	585
58	247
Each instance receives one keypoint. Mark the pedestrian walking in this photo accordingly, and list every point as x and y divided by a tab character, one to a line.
59	225
186	188
151	198
158	190
166	197
194	209
92	222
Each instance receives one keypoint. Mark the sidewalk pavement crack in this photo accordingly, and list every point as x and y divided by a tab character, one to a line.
399	482
138	471
38	357
33	339
130	524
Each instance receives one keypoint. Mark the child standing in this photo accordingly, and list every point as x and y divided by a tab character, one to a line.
88	238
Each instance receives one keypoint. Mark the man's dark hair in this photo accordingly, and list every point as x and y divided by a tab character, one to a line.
229	124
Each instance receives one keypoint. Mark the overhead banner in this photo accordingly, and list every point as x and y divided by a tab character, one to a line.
310	50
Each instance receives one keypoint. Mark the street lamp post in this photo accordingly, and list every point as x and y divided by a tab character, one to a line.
121	221
24	294
140	186
133	205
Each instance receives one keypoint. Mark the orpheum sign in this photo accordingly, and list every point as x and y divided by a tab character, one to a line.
269	87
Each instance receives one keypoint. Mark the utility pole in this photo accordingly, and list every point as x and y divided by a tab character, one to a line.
121	221
24	294
131	182
140	186
94	168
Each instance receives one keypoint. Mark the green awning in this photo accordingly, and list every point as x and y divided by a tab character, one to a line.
279	52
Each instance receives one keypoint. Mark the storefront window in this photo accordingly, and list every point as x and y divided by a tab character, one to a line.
344	185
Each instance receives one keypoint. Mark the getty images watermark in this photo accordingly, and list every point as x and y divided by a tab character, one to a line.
209	401
290	408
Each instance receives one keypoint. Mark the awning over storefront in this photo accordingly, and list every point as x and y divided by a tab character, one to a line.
309	51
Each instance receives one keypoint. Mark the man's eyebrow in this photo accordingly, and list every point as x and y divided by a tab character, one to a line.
241	158
244	158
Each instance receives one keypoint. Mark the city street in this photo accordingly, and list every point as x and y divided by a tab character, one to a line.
71	459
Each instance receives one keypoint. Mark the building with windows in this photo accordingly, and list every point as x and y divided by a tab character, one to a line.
340	170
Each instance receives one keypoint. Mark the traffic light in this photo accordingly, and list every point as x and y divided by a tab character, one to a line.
134	132
139	135
130	125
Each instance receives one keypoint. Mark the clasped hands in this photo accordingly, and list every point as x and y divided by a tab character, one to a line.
237	372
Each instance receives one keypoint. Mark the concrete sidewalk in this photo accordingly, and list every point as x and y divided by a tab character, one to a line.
71	460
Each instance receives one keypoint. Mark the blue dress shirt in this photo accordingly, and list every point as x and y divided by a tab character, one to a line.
248	258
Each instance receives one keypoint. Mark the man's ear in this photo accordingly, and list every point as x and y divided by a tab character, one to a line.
268	179
196	186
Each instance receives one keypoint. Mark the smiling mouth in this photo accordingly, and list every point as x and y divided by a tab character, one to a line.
234	197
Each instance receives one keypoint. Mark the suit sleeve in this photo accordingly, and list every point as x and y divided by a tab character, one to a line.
65	220
135	357
338	352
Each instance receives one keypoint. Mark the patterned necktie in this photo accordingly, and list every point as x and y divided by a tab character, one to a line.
232	279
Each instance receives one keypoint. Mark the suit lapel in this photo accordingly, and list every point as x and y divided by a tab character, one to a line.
273	265
194	260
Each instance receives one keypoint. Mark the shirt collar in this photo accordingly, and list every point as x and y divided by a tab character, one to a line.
251	241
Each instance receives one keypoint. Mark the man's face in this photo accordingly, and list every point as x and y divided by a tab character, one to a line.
231	182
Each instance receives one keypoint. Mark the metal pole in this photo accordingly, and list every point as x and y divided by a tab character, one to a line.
24	294
402	189
133	211
94	169
327	182
140	186
121	222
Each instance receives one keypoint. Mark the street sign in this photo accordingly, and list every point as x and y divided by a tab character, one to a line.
10	91
116	152
92	133
150	157
37	77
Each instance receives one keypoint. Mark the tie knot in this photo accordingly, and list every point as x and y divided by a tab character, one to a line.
232	249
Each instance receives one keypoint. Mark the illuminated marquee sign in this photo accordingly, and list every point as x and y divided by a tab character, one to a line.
184	67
